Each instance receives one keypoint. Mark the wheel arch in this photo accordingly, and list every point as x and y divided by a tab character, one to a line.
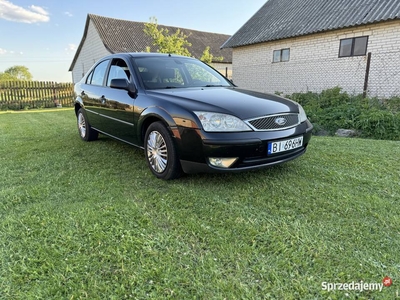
78	105
156	114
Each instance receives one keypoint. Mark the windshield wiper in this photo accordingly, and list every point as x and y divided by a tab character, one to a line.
214	85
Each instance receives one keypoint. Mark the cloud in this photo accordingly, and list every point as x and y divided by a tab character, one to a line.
72	47
32	14
3	51
67	13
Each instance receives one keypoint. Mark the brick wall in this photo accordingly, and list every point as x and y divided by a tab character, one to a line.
314	64
222	68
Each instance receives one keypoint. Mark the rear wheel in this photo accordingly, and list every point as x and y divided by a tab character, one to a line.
160	152
85	130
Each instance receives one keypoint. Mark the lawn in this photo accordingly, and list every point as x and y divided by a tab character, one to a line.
88	221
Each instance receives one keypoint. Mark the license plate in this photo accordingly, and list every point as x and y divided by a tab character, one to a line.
286	145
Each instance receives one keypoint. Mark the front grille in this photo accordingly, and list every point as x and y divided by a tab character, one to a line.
269	123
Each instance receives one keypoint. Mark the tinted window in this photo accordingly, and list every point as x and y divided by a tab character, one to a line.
99	73
89	78
198	73
175	72
118	70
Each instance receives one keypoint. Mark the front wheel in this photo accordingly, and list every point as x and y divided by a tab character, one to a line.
85	130
160	152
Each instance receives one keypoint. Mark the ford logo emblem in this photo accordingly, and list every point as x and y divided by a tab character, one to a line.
280	121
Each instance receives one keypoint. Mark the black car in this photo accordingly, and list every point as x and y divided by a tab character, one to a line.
187	116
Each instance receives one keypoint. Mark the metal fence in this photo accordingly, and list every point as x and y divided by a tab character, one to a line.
384	75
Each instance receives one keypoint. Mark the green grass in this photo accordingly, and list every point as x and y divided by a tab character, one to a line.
89	221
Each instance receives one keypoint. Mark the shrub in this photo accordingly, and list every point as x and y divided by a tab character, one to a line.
333	109
379	124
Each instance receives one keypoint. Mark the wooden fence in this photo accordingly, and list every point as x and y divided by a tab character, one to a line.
16	95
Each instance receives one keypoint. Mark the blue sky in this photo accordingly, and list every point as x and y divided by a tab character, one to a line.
43	35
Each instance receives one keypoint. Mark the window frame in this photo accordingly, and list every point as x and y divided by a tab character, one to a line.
280	55
353	42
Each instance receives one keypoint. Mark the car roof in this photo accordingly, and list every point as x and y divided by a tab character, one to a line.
145	54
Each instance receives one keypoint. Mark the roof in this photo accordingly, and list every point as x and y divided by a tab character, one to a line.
280	19
128	36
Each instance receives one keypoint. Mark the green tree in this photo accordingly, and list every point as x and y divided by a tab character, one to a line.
16	73
6	77
208	58
176	43
167	43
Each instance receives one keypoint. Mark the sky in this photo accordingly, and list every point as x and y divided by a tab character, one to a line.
44	35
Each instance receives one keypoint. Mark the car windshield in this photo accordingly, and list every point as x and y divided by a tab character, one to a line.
177	72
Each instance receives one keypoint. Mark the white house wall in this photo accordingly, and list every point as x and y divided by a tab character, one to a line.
92	50
314	64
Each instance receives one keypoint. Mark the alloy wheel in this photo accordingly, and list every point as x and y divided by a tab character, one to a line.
82	125
157	152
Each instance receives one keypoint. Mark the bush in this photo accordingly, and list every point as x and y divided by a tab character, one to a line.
333	109
379	124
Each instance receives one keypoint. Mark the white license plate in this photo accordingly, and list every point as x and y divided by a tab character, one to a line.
286	145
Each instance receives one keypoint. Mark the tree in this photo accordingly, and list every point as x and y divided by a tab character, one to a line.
208	58
174	43
167	43
16	73
6	77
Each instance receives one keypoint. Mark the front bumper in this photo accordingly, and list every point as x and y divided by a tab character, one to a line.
197	146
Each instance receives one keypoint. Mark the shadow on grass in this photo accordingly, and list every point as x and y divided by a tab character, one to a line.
137	156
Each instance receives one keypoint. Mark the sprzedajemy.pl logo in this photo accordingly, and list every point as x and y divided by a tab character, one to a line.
357	286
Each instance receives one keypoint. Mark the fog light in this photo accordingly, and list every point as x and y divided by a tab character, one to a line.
222	162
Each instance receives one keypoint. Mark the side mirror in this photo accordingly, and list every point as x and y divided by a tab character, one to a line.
119	83
123	84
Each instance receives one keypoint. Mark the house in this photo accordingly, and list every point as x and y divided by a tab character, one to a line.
309	45
103	36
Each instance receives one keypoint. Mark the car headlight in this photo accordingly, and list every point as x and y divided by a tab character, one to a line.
302	114
214	122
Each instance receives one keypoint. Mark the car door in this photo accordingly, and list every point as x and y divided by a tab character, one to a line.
118	104
93	96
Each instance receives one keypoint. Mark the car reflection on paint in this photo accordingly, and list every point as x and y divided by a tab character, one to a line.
186	116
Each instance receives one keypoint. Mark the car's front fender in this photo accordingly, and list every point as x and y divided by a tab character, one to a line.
152	114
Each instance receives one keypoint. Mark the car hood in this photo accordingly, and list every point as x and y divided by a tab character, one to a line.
242	103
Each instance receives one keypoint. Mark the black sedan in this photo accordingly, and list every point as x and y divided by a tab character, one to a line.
187	116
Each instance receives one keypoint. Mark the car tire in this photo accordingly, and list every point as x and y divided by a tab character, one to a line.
86	132
160	152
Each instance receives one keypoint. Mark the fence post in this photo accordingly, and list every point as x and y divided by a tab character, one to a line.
367	75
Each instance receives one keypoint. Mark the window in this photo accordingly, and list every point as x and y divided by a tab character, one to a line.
118	70
89	78
353	47
198	73
281	55
99	73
